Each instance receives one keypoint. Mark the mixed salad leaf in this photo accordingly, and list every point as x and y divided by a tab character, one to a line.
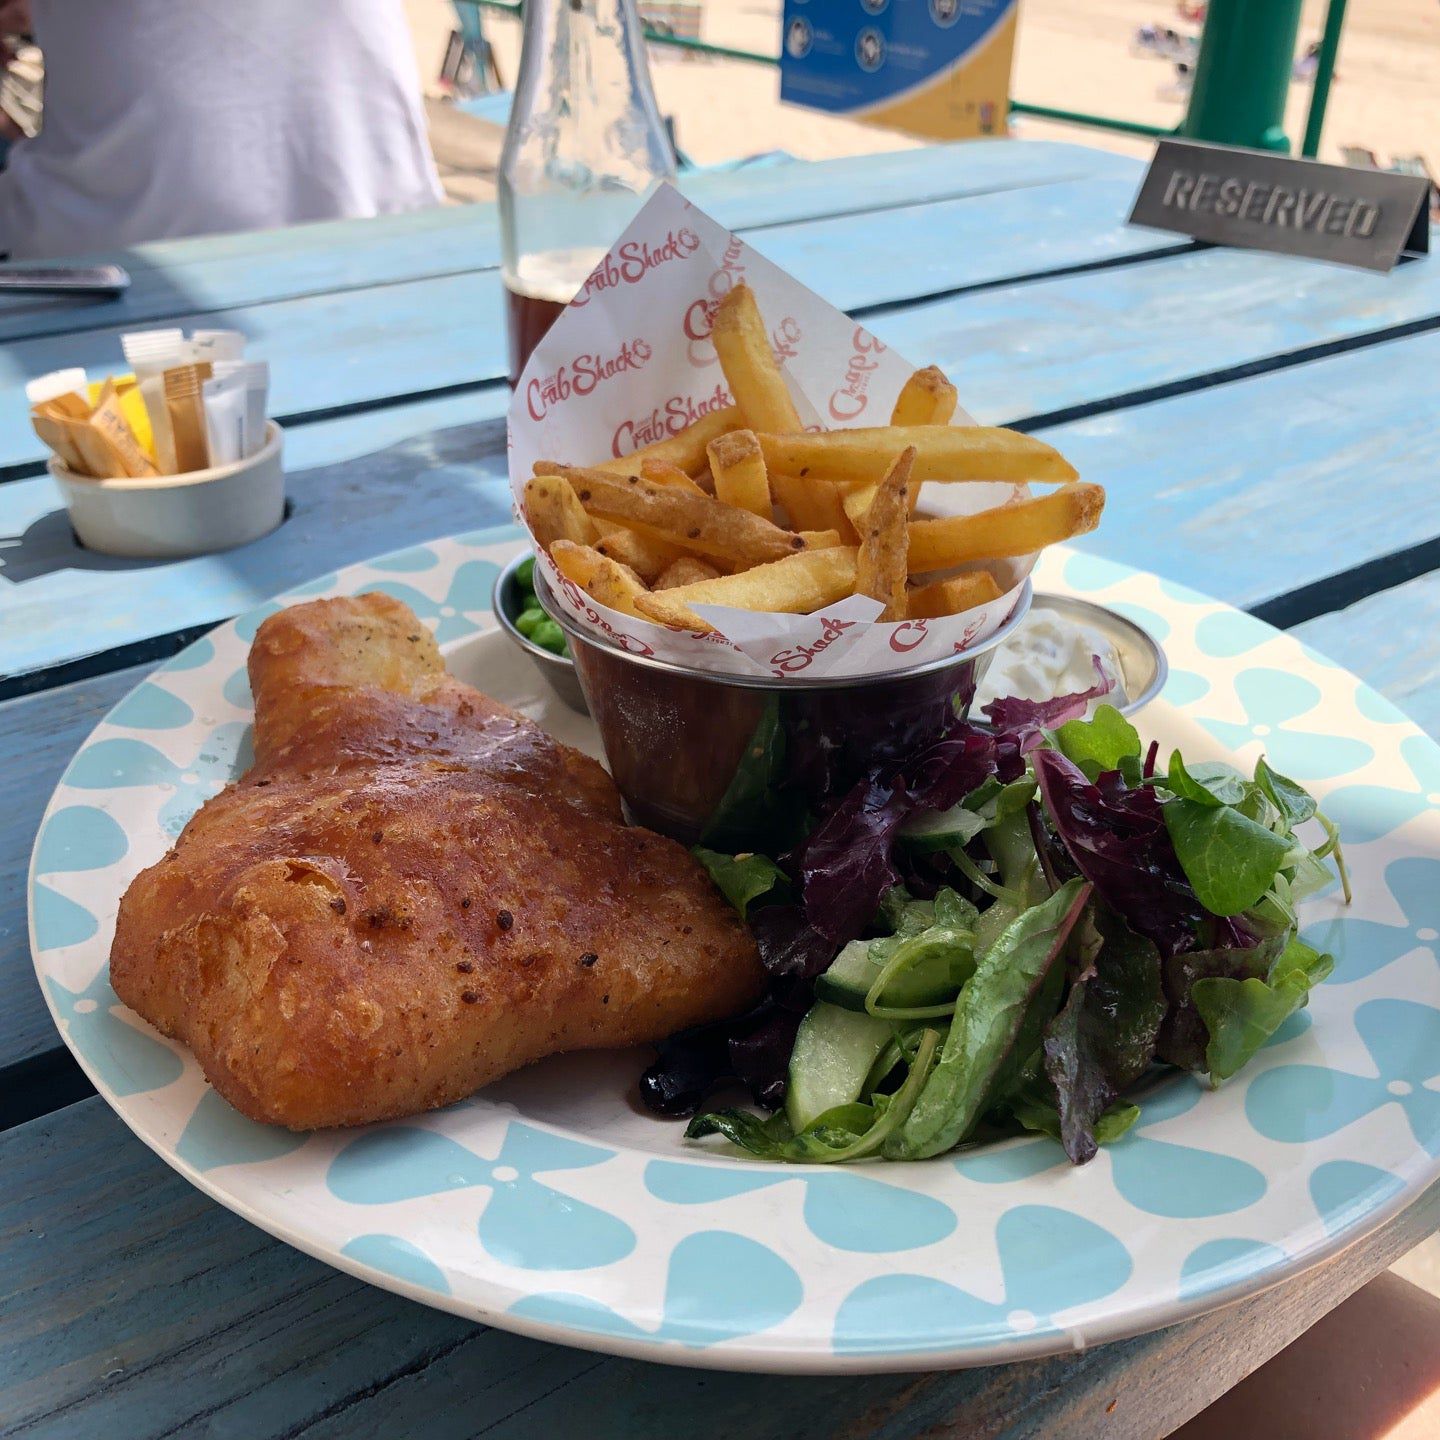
1003	931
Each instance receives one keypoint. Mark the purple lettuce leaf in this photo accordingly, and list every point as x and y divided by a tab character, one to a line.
1023	720
848	863
1117	839
1105	1036
790	946
1184	1035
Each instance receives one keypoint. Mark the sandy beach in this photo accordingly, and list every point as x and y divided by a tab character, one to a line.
1069	54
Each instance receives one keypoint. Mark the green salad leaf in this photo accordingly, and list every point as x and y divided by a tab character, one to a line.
1044	1119
1210	782
742	879
1230	859
1241	1015
1291	800
1099	743
996	1026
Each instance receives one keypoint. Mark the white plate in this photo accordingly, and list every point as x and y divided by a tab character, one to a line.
550	1205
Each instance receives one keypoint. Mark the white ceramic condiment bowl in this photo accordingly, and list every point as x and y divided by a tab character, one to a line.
169	516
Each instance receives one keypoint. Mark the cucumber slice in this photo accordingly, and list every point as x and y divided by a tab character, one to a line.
848	980
932	977
834	1050
942	829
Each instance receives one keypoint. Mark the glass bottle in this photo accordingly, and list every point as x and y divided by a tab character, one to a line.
584	148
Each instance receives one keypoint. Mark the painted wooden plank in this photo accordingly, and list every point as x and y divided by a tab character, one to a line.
38	735
1254	488
441	470
131	1305
1035	348
184	277
347	347
1391	640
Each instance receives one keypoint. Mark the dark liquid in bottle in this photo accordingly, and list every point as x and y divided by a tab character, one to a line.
528	318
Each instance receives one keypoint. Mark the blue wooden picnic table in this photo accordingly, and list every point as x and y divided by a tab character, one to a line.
1264	428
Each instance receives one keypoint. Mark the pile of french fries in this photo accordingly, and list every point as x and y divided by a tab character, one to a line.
745	508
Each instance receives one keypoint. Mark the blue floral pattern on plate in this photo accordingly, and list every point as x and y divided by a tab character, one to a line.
658	1250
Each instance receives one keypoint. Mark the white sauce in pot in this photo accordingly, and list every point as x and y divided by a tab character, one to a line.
1049	655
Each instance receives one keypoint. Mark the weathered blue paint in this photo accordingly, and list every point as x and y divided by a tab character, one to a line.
1250	489
180	277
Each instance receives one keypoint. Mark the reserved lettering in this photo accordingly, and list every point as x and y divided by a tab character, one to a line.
1321	211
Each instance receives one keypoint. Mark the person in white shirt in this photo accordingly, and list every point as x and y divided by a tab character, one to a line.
198	117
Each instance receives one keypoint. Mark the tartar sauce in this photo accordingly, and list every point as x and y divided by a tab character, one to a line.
1049	655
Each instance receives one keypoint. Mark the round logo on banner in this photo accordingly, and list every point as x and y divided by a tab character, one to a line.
798	38
943	12
873	7
870	48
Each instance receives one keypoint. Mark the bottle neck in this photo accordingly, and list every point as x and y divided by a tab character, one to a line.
584	60
585	144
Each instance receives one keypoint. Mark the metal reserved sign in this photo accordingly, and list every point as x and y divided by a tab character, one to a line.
1263	201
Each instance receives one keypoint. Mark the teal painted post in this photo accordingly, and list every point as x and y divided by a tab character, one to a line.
1242	75
1324	74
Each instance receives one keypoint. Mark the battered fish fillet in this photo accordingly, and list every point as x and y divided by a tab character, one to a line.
413	892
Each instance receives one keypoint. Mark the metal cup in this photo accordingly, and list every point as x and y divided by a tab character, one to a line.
699	755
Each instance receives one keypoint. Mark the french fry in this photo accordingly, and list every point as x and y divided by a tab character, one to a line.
857	500
612	585
554	513
942	452
950	597
1015	529
796	585
748	362
927	398
695	523
812	504
880	570
685	450
646	557
824	539
662	472
685	571
739	471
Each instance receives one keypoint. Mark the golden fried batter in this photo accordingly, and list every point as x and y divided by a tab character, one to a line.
412	892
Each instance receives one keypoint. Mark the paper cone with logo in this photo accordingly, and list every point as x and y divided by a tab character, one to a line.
630	361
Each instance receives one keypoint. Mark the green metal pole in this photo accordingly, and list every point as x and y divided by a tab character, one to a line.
1242	75
1324	74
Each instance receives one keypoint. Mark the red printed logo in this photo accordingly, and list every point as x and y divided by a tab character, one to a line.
580	602
849	400
967	637
788	662
635	259
907	635
581	375
668	418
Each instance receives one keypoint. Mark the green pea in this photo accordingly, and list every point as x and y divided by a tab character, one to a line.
525	573
550	635
528	619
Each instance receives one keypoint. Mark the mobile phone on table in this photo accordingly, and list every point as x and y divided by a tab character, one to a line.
64	279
